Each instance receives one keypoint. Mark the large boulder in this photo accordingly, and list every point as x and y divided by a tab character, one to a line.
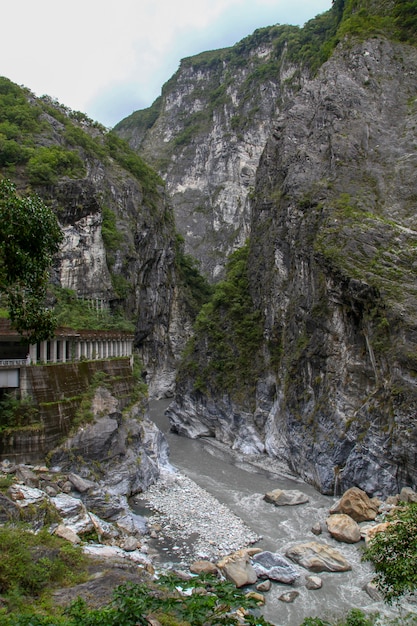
275	567
343	528
357	505
318	557
237	568
281	497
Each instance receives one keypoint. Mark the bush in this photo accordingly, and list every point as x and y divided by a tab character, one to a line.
393	553
47	164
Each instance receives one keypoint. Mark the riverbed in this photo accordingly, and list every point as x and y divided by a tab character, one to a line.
239	483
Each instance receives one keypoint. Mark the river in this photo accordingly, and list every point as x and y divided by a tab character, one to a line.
241	487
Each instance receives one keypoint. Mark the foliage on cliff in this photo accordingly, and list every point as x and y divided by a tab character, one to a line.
29	146
224	353
29	237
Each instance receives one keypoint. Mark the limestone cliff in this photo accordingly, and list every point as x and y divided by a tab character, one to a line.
205	135
120	249
331	272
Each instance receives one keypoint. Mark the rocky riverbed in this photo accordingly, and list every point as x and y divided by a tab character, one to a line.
190	523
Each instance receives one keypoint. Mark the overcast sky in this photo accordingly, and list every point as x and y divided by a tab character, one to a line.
108	59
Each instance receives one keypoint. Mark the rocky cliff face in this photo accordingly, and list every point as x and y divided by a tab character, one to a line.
120	245
205	136
331	268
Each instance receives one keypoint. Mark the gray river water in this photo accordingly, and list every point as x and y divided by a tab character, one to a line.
241	486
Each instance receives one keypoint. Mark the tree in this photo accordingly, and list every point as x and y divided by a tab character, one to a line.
29	237
393	553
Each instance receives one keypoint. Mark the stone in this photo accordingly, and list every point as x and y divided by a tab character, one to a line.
377	528
318	557
316	529
81	484
264	586
357	505
289	597
130	544
9	511
281	497
407	495
373	592
204	567
258	597
313	583
27	476
25	496
73	513
237	568
275	567
66	533
343	528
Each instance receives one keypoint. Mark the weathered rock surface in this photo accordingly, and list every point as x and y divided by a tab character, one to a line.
343	528
313	582
237	568
357	505
123	452
281	497
275	567
318	557
330	267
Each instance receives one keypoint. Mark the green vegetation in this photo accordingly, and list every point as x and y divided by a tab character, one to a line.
27	142
229	333
120	151
393	553
32	565
47	165
73	312
212	604
16	413
196	288
30	236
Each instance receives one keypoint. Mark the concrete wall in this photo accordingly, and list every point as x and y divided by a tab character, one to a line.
58	391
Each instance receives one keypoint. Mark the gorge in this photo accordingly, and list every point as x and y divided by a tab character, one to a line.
255	230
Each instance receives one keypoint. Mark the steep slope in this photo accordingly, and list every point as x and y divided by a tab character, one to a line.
120	250
207	131
330	387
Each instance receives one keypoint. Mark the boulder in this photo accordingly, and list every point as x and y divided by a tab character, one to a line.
204	567
27	476
80	484
357	505
275	567
73	513
66	533
407	495
9	511
377	528
265	585
237	568
289	597
343	528
281	497
318	557
316	529
254	595
313	582
373	592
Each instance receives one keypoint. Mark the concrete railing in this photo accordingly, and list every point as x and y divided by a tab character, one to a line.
13	362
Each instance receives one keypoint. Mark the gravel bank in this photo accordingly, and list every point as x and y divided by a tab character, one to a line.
190	523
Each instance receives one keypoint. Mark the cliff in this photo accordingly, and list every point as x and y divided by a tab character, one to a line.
120	250
329	383
205	136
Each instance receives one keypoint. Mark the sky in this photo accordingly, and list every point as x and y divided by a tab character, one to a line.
108	59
